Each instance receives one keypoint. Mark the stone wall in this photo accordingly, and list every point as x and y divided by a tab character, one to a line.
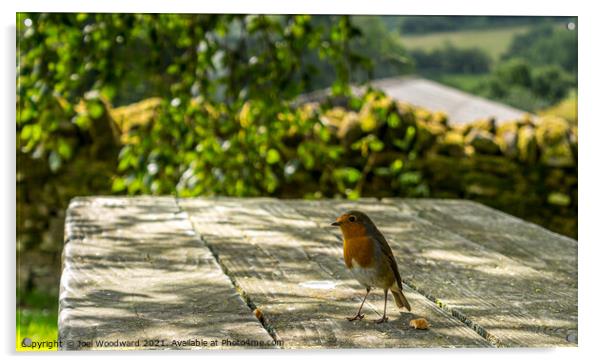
525	168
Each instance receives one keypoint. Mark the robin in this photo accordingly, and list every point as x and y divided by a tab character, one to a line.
369	258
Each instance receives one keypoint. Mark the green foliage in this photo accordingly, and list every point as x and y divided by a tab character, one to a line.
519	84
493	41
450	59
552	83
514	72
372	146
537	67
65	60
547	45
224	81
430	24
203	149
227	122
382	47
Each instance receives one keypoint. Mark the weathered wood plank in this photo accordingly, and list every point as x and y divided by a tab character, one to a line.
525	242
135	270
512	301
291	268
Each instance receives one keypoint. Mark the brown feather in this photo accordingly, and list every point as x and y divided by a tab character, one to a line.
400	299
359	236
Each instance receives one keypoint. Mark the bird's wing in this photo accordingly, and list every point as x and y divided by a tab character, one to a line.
386	249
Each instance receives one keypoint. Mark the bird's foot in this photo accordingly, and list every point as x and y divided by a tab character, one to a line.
356	317
381	320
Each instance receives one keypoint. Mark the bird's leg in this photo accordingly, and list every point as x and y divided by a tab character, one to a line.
359	315
384	318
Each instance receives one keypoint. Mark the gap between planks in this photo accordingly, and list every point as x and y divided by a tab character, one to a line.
239	290
453	315
481	331
336	207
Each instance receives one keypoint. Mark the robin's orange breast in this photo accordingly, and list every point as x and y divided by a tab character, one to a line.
359	249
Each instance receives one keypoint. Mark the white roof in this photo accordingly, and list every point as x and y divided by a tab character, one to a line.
461	107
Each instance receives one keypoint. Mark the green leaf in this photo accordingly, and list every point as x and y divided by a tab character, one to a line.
410	178
410	134
376	145
352	194
397	165
64	149
348	174
82	121
118	185
273	156
338	88
26	132
26	115
95	109
393	120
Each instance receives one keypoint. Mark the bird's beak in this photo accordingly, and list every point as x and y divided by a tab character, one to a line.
336	223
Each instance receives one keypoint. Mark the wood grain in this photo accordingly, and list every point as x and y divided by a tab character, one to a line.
135	270
291	268
509	300
252	271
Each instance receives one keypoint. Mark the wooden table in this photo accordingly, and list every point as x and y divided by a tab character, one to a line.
229	273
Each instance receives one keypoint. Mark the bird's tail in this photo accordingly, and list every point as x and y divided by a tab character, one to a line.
400	299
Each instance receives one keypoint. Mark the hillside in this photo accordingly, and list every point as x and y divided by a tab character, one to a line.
493	41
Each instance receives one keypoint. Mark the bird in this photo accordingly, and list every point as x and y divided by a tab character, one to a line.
370	259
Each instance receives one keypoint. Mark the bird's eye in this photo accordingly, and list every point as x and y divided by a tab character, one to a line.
352	218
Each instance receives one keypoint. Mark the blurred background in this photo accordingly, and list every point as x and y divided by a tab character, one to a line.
477	107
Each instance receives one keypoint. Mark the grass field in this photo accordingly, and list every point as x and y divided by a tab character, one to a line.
37	320
566	108
37	325
493	41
